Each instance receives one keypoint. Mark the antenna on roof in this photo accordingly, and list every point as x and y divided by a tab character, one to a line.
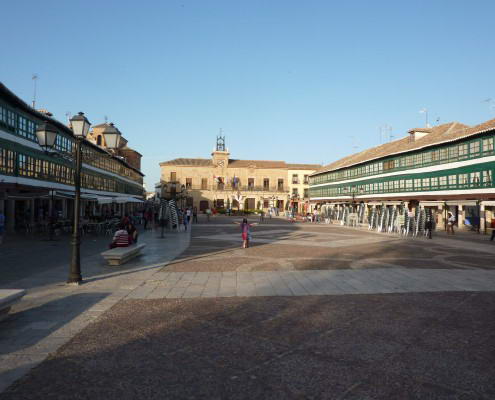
105	117
68	115
385	133
425	112
34	78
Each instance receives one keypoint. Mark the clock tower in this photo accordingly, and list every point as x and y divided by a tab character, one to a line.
221	153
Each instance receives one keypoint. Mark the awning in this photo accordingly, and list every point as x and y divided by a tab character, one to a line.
71	195
119	200
105	200
128	200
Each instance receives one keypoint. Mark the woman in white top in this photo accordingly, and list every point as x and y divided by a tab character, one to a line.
450	223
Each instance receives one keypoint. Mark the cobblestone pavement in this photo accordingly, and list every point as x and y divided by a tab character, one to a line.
309	311
395	346
52	312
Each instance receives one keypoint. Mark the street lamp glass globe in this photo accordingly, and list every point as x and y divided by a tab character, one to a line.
80	125
112	136
46	135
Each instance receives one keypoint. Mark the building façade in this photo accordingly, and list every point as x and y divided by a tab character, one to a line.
34	185
223	182
445	168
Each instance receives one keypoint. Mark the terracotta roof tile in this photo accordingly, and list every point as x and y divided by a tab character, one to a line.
436	135
233	163
256	163
304	166
192	162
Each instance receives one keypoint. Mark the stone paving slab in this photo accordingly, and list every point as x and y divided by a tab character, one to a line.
51	312
321	282
387	346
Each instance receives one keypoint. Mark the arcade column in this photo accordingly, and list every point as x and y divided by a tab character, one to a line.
482	219
10	215
440	218
31	211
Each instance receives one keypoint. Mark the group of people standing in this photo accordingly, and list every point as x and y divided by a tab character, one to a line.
151	217
185	216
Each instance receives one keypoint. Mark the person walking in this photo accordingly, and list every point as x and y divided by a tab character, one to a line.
188	215
245	232
133	233
429	225
2	226
491	238
195	215
185	218
450	223
146	217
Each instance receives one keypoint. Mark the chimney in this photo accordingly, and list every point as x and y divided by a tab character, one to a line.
45	112
418	133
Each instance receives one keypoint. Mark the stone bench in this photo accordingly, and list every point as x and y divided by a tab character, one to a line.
7	298
120	255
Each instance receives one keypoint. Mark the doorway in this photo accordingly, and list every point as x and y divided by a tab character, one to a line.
203	205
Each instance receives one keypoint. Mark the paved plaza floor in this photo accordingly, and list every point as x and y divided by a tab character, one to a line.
308	312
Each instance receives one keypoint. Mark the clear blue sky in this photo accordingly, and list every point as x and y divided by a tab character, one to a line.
300	81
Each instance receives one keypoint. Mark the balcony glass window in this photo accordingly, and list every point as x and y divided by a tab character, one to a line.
453	152
475	179
462	151
487	178
250	183
11	119
452	180
474	148
488	145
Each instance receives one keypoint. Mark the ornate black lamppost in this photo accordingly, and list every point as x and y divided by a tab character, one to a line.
47	136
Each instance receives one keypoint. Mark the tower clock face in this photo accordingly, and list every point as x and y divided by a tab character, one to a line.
221	163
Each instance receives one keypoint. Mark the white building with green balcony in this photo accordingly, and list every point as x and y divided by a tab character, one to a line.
448	167
34	184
